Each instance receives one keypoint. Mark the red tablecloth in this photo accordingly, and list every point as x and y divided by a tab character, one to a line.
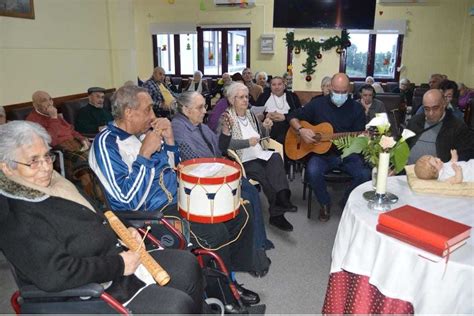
350	293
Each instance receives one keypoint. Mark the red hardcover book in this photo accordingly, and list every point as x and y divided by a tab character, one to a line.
425	230
419	243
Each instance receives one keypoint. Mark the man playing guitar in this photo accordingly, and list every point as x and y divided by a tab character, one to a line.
345	115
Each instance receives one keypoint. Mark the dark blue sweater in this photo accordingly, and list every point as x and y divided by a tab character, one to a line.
350	117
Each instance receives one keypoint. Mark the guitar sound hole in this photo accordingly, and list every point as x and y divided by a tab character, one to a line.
317	137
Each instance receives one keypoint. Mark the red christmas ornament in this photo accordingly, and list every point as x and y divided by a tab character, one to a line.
319	56
308	78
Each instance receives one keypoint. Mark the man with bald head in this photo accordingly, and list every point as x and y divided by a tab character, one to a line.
63	136
163	99
438	131
46	114
345	115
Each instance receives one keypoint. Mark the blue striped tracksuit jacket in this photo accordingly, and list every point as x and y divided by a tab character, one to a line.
131	180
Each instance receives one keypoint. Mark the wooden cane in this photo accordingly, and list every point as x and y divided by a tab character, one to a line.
158	273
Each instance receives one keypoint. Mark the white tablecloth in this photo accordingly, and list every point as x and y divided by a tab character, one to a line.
400	270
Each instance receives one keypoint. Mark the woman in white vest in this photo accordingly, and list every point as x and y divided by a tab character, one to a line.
264	166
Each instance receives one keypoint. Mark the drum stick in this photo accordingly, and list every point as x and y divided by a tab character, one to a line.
158	273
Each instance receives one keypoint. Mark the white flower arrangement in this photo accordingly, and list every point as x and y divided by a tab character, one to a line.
381	141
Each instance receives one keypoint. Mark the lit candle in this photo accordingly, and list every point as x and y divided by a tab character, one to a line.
382	173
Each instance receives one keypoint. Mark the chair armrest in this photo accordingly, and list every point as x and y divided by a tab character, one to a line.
91	289
138	215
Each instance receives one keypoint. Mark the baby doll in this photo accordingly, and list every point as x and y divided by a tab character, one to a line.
429	167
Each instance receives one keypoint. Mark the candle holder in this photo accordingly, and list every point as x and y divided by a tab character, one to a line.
380	199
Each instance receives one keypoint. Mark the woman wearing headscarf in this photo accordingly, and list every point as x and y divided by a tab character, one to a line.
197	84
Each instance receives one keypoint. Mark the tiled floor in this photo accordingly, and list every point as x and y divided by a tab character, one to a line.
301	259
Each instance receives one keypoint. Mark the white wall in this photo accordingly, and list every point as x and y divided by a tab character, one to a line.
69	46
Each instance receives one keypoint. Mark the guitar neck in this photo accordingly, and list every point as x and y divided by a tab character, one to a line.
339	135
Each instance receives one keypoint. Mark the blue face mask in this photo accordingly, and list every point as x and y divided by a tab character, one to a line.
338	98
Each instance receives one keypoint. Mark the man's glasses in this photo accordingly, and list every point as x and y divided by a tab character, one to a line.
37	162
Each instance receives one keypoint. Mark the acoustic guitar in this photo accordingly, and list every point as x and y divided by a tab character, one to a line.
296	148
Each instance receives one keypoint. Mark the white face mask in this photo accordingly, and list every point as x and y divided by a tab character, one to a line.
338	98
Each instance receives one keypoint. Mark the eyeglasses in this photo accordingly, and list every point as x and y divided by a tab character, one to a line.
36	162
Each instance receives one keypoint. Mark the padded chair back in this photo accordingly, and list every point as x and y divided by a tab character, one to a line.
392	103
356	87
389	86
417	99
19	114
70	109
178	83
108	102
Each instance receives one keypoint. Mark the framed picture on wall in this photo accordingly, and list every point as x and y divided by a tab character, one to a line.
17	8
267	44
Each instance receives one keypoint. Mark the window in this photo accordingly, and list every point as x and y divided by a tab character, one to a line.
213	51
212	46
376	55
165	52
187	53
237	41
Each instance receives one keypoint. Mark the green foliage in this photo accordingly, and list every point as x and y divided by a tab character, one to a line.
342	142
399	156
313	48
369	148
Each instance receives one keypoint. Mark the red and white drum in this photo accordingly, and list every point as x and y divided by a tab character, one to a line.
209	190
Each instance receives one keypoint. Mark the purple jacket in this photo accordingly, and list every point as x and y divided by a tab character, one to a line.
219	108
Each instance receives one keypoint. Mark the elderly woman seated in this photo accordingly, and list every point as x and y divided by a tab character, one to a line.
264	166
197	84
48	226
196	140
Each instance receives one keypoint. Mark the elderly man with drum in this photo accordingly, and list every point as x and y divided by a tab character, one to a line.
134	159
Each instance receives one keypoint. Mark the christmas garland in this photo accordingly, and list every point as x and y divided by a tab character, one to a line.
313	49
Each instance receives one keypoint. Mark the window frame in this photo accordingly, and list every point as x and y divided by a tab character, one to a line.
200	50
371	60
